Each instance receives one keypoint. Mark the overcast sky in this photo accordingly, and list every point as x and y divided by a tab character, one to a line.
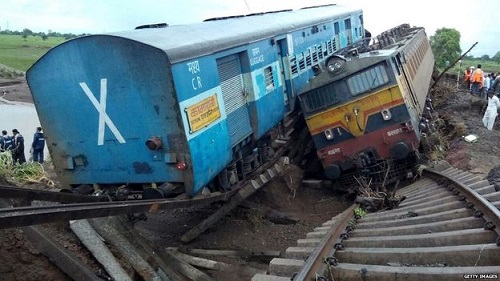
476	21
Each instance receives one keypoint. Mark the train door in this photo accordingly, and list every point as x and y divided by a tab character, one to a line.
288	93
231	82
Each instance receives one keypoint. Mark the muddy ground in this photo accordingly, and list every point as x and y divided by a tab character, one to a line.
247	228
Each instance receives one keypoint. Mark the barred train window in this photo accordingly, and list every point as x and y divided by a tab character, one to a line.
367	80
268	75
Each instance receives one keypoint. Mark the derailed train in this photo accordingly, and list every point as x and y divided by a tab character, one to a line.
367	113
183	105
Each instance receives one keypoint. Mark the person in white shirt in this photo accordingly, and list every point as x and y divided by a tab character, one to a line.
491	111
486	86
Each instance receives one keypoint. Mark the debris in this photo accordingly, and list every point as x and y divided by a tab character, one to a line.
471	138
94	243
231	253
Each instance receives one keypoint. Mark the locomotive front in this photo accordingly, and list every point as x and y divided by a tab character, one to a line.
364	113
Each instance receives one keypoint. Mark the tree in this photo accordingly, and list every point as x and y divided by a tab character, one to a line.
485	57
496	57
27	32
445	44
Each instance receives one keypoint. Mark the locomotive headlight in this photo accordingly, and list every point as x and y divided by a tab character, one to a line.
335	64
386	114
328	134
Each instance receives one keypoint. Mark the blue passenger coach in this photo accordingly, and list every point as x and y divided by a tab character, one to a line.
179	104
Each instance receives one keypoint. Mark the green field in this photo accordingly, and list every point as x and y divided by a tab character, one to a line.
20	54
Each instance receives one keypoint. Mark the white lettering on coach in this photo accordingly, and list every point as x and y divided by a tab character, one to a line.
194	68
334	151
101	109
394	132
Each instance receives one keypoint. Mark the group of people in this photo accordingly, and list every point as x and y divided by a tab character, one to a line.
15	144
480	83
484	85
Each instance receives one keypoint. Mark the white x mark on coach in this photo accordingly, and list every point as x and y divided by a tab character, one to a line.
101	109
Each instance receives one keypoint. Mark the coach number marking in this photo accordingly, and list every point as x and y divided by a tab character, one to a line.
101	109
394	132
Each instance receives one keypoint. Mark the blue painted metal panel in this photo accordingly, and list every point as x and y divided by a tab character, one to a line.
209	146
270	111
211	152
194	77
99	99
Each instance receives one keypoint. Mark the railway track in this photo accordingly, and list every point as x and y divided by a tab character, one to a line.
16	209
447	228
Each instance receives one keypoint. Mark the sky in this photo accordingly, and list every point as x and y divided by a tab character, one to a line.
476	21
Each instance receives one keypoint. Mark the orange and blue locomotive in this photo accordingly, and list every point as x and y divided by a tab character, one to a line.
366	112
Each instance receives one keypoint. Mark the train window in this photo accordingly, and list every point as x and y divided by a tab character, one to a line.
268	74
347	23
336	28
368	80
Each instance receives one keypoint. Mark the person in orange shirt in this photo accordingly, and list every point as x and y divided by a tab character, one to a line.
477	80
467	74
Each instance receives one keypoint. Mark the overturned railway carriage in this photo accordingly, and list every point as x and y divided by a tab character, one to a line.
366	113
184	105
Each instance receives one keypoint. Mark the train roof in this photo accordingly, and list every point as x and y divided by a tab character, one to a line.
183	42
364	60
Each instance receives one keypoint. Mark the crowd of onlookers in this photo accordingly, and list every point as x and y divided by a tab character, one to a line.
484	85
480	83
15	145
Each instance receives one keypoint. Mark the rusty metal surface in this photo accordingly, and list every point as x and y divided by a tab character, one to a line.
23	216
314	263
29	194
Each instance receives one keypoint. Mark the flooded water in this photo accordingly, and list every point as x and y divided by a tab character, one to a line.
20	116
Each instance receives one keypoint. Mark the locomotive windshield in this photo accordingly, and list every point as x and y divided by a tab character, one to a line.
323	96
368	80
342	90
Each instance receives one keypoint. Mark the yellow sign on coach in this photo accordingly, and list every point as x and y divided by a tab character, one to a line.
203	113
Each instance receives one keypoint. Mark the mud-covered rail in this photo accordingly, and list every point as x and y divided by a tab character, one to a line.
32	215
448	228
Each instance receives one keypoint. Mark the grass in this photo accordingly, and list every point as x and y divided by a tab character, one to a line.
26	173
486	66
20	54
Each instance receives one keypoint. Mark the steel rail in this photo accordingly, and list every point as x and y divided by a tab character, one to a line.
324	257
7	191
24	216
489	211
314	263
